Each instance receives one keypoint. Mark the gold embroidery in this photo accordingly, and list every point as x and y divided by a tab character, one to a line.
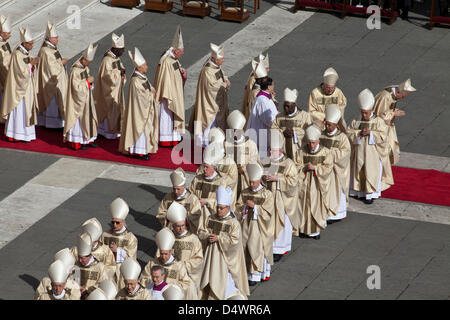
173	274
86	275
84	75
119	242
217	227
327	100
179	246
6	47
57	55
290	123
314	160
206	188
257	200
146	85
219	75
176	65
367	125
329	143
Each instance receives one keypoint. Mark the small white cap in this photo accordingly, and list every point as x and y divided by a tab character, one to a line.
67	257
93	227
165	239
260	71
213	154
109	289
97	294
290	95
216	135
5	24
137	57
50	32
216	51
176	212
330	77
366	100
177	41
313	133
130	269
57	272
224	196
236	120
25	35
276	139
118	42
406	86
178	177
119	209
254	171
332	113
172	292
89	53
84	245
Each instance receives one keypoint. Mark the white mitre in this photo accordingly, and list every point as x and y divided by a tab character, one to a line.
366	100
118	42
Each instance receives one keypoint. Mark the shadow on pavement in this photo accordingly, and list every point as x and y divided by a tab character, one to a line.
32	281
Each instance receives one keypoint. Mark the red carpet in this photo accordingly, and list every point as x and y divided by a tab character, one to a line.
426	186
51	141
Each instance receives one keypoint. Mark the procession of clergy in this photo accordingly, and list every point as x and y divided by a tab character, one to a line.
265	176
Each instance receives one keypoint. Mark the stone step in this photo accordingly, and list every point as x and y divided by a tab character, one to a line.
36	19
6	3
20	10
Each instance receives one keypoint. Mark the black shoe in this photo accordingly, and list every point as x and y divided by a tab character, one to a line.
92	145
83	147
368	201
302	235
251	283
277	257
333	221
144	157
316	237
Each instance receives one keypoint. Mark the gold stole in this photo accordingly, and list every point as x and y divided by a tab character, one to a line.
314	159
206	188
181	245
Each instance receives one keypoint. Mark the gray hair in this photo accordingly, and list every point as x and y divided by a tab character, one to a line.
158	267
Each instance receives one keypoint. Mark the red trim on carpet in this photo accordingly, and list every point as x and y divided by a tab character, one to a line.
416	185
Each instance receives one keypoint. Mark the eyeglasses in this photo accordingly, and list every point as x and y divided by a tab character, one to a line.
115	222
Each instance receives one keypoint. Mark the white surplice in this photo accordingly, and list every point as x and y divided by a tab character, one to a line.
15	126
166	132
261	118
283	242
75	134
51	118
103	129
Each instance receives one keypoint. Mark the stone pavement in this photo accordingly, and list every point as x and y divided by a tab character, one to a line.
413	255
